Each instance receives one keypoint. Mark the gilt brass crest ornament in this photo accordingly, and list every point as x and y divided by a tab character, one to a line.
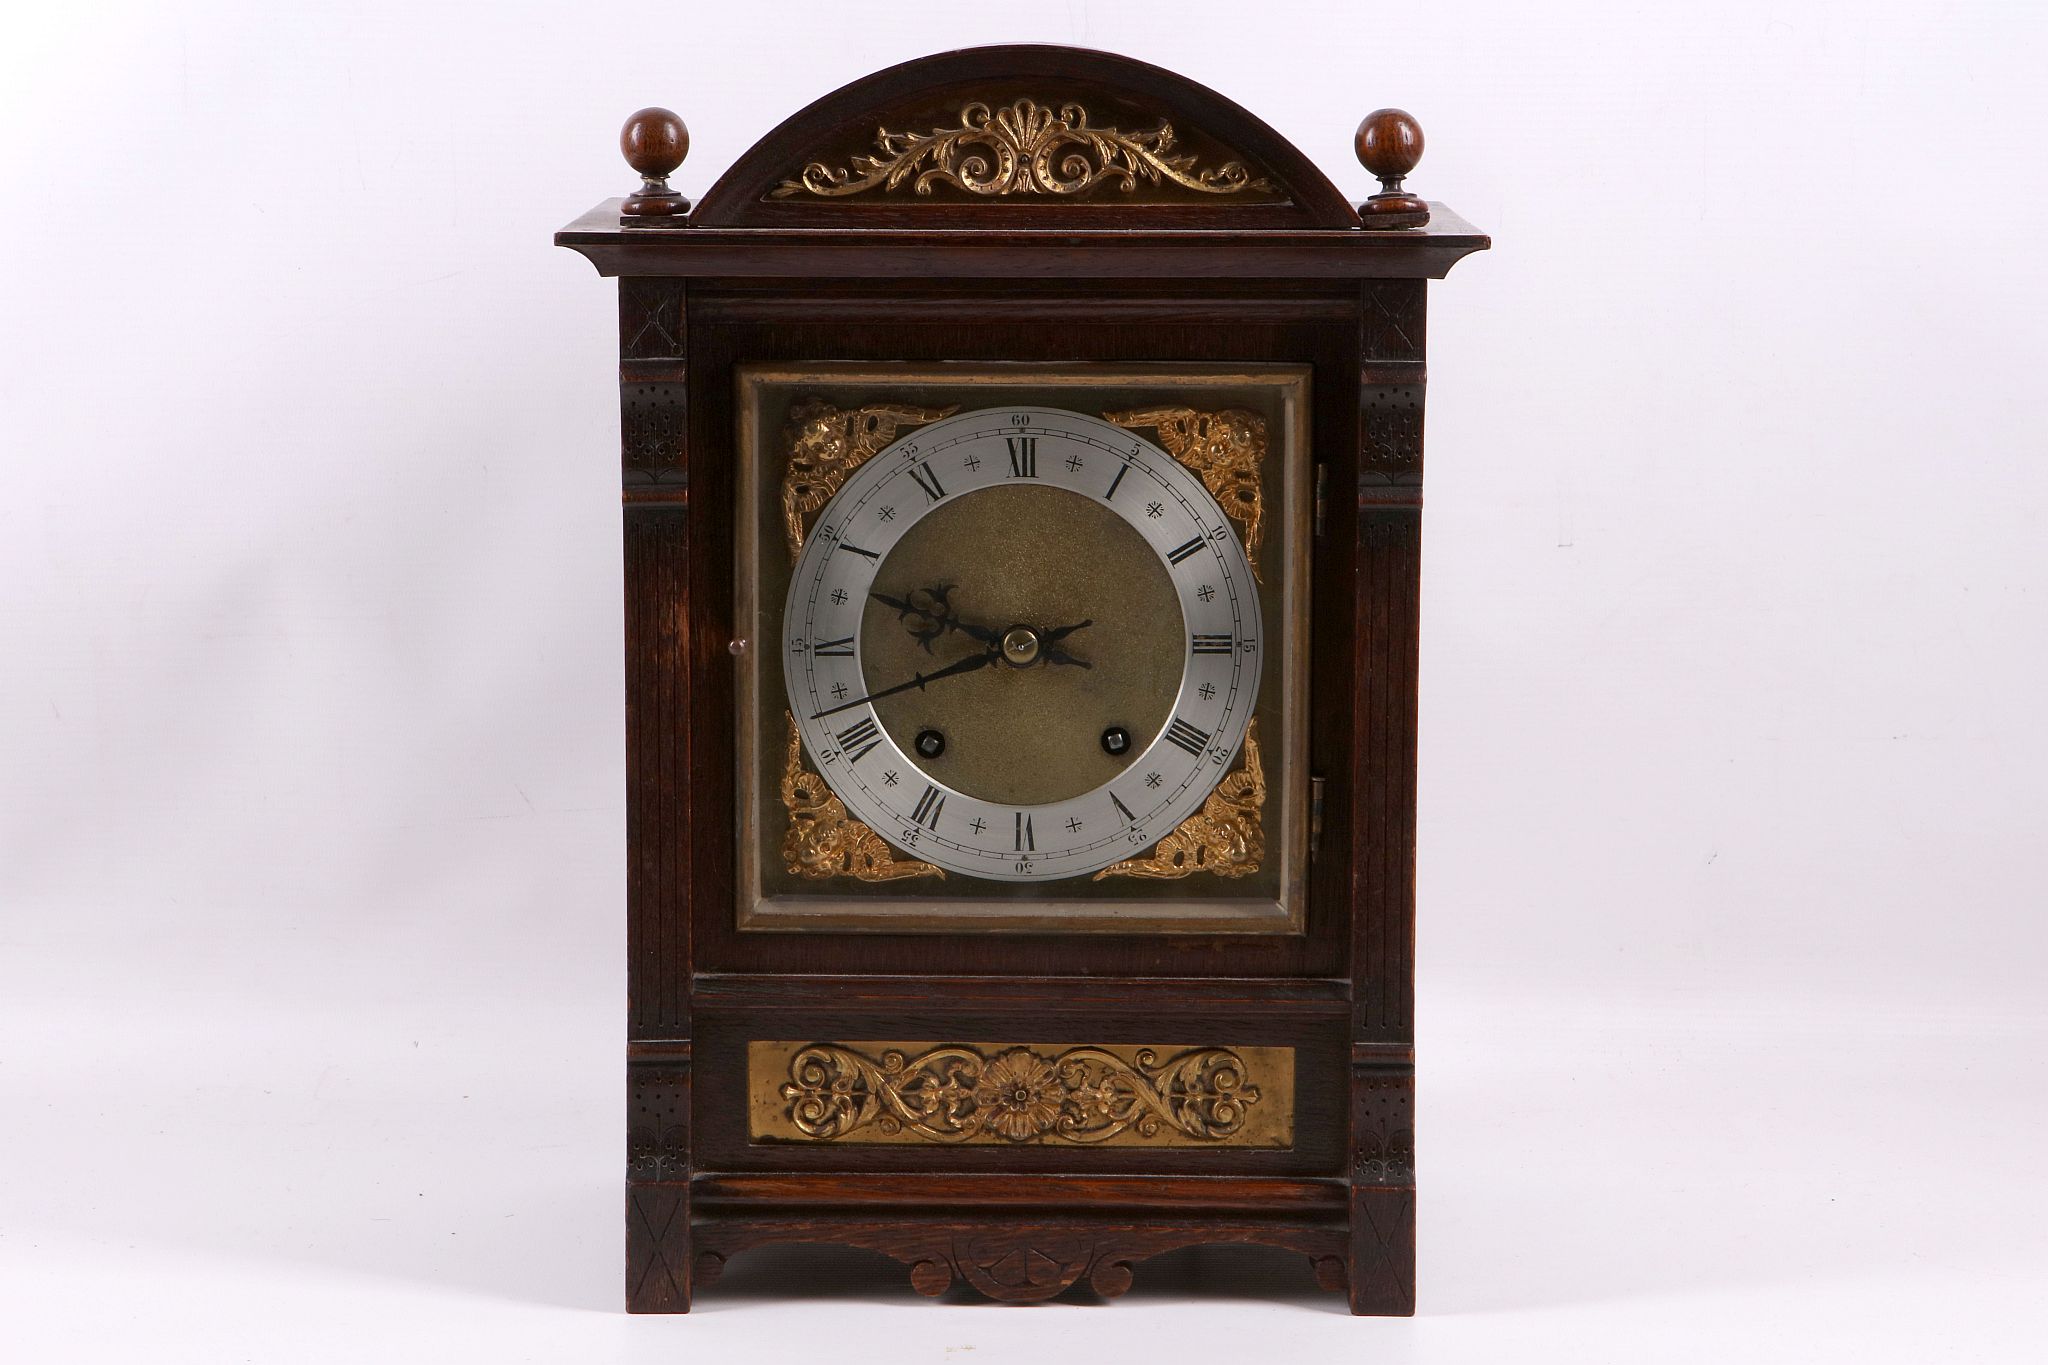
1019	149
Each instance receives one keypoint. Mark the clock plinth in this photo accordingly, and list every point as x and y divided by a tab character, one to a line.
996	900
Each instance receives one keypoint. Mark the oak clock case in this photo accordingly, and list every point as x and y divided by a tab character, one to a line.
899	395
1079	594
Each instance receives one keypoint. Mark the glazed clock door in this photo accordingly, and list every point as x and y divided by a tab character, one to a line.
1033	651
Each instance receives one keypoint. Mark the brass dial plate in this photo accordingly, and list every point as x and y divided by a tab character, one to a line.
1034	481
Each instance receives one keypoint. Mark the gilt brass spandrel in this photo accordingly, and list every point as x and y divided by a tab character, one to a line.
824	841
866	1093
1226	449
824	444
1226	837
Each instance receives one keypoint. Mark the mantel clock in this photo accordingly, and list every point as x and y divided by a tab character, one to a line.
1022	479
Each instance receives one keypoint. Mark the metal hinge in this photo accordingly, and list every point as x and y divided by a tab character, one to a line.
1315	815
1322	479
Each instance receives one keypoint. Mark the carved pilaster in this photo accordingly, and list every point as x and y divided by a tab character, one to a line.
658	1263
1383	824
1382	1126
1382	1269
650	318
1390	432
1393	317
658	1123
658	786
1382	1171
657	1248
1391	381
653	392
653	432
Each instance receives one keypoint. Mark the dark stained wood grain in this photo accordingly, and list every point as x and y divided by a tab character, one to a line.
1022	1260
1284	276
1011	1190
1070	251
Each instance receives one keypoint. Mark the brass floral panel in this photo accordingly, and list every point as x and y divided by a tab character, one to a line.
989	1094
1023	148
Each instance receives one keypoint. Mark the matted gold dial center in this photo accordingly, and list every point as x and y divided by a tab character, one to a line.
1020	646
999	572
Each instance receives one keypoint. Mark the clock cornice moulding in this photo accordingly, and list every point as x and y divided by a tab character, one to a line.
1108	251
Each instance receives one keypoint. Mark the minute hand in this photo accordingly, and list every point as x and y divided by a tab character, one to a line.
967	665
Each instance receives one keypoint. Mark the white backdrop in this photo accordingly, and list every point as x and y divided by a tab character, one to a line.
311	817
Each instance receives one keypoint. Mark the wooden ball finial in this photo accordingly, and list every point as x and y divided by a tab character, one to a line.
1389	144
654	143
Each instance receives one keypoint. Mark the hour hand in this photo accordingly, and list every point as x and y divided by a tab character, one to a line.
933	614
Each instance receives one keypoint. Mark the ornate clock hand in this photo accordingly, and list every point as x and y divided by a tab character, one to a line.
966	665
1059	633
1052	655
941	620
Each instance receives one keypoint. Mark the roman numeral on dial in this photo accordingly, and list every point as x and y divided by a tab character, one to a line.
1122	809
833	649
859	740
1121	470
928	807
1183	550
1189	737
849	545
1211	644
923	477
1024	842
1023	456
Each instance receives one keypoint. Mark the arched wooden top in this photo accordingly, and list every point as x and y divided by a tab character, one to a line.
1024	136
